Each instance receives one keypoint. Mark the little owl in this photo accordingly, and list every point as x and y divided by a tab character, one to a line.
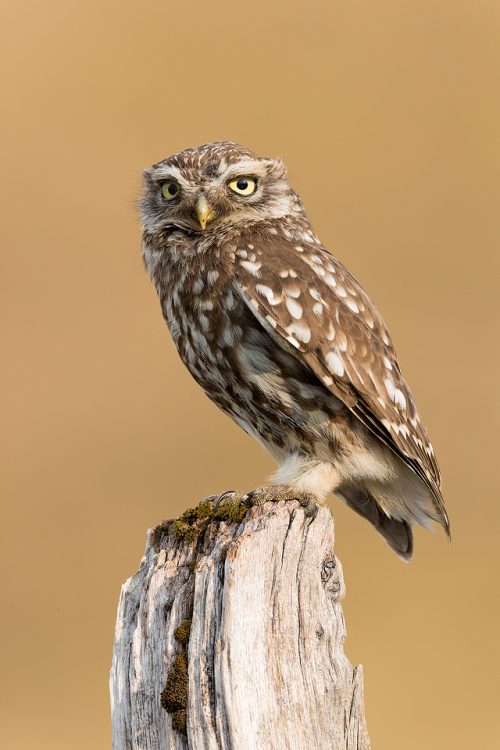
283	339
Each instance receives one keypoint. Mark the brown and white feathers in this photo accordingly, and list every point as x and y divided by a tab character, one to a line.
284	339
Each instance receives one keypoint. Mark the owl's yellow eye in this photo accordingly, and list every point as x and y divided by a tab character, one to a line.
243	185
170	190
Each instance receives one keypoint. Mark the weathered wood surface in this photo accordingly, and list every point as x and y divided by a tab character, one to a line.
265	661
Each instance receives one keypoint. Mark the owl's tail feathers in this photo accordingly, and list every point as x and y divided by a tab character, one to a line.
442	515
397	534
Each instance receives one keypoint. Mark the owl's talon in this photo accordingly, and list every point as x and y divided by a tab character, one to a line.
218	499
311	508
231	506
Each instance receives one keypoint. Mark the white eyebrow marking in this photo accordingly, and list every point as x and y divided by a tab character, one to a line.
247	166
169	171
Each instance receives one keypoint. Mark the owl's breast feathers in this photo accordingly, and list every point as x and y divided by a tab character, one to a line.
309	302
229	353
272	294
283	339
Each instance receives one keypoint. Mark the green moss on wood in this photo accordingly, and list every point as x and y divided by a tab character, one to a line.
193	521
231	512
183	530
181	633
200	513
175	693
179	721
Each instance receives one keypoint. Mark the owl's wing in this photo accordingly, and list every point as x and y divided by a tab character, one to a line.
303	295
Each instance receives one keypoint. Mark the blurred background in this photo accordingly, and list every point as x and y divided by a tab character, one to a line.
388	117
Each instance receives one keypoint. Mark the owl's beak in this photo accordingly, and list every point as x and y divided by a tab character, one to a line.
204	211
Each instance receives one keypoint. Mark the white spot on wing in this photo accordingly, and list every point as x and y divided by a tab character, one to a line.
294	308
399	398
335	363
341	340
330	280
395	394
389	387
302	331
318	309
265	291
252	268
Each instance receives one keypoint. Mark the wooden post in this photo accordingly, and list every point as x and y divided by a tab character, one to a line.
230	636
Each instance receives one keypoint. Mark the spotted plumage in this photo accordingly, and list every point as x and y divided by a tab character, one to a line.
283	338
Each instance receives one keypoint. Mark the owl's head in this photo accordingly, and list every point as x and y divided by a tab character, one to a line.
213	187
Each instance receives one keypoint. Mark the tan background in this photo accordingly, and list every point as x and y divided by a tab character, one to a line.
388	116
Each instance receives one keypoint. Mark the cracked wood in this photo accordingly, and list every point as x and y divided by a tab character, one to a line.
266	667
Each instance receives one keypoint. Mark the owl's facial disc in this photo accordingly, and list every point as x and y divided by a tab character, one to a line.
214	188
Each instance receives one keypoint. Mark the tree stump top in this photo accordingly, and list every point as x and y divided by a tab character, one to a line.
231	635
